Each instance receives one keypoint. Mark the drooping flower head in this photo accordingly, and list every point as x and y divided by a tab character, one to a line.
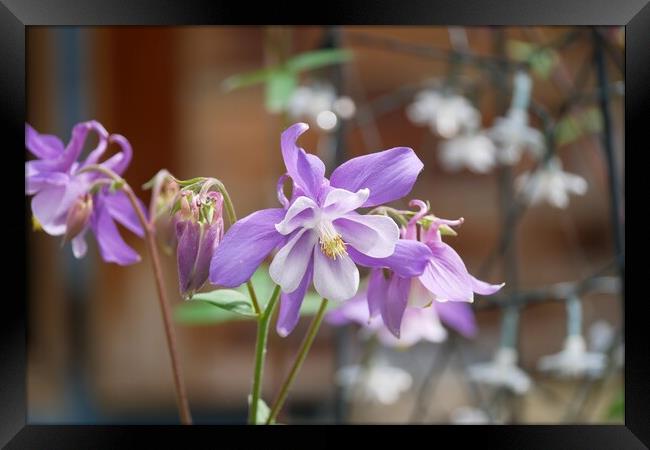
445	277
511	133
199	229
474	151
319	234
550	184
418	324
446	114
67	202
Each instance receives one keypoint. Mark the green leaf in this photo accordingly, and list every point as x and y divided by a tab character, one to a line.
228	299
263	411
279	88
318	58
203	313
248	78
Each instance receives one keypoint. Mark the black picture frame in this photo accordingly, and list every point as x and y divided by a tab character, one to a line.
16	15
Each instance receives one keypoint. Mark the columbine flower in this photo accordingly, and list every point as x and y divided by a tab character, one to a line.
474	151
502	371
417	324
574	360
445	277
318	103
551	184
319	233
446	114
199	229
67	202
379	383
511	133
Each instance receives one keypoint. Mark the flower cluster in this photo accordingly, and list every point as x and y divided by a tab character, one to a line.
69	198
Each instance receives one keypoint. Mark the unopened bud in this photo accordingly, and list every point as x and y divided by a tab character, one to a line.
78	216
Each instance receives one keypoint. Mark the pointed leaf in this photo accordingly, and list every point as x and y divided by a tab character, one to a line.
279	88
318	58
248	79
228	299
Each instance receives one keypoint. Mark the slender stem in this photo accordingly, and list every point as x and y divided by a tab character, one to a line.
302	354
230	209
181	394
260	353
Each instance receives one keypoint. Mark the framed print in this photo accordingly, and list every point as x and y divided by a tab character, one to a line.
393	216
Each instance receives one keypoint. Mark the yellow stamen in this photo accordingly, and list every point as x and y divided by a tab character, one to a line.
333	247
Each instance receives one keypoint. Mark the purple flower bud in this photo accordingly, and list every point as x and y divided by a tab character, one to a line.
199	229
78	216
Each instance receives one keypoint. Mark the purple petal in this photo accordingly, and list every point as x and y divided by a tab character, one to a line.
43	146
290	304
245	246
111	245
196	245
120	208
306	171
76	144
446	276
408	260
374	236
290	263
389	175
483	288
393	303
187	234
335	279
377	287
51	204
457	315
301	211
353	310
339	202
120	161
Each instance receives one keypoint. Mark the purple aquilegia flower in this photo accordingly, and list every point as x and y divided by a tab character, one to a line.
417	324
68	203
199	229
445	277
319	234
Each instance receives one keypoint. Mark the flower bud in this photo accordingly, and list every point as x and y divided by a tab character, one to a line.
78	216
199	229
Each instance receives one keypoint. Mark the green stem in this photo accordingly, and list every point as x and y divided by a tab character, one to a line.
260	353
302	354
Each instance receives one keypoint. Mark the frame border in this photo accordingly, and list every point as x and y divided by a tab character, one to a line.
16	15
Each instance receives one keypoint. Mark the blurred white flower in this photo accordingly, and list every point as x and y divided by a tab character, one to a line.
551	184
466	415
319	104
574	360
502	371
379	383
512	136
472	151
445	114
601	334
